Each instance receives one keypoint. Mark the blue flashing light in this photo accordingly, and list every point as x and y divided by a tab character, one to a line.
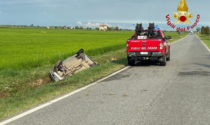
157	27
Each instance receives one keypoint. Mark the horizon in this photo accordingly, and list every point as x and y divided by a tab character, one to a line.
92	13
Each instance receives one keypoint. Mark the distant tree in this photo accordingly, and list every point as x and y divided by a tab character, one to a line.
198	29
64	27
111	28
202	30
76	27
116	28
205	30
97	28
31	25
81	27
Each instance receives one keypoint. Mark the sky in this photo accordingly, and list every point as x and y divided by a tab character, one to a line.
91	13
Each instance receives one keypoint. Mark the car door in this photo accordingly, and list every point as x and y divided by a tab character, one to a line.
166	43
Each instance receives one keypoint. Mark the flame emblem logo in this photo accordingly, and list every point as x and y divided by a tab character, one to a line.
182	16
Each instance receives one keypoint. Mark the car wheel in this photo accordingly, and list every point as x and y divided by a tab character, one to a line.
163	63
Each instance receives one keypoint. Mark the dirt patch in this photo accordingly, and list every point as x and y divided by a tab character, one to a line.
39	82
3	95
114	59
43	32
124	95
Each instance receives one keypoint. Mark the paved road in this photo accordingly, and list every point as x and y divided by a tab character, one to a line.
146	94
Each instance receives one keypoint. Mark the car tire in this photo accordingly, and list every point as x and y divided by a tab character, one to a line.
168	58
163	63
131	62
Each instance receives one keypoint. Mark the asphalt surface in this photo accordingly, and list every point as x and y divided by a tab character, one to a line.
145	94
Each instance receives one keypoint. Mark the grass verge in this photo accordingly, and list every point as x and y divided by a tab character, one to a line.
175	36
20	101
205	39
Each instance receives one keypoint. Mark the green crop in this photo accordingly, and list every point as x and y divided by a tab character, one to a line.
28	48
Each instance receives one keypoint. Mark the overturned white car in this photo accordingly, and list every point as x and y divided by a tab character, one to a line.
71	65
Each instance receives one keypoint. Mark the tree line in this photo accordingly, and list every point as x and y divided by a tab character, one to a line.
205	30
63	27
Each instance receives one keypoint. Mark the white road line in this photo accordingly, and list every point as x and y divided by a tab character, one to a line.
60	98
178	40
63	97
203	43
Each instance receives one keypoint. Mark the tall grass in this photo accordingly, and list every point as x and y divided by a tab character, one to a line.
205	39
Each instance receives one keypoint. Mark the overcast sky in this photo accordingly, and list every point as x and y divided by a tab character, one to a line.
90	13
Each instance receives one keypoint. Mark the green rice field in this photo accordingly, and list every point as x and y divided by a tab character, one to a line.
28	48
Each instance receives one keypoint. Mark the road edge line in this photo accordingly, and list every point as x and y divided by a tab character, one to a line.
59	98
178	40
203	43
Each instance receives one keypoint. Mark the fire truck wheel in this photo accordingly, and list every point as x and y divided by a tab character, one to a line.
168	56
163	63
131	62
